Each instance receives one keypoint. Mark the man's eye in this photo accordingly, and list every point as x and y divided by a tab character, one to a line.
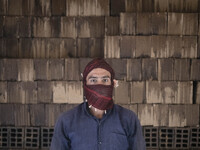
93	80
105	80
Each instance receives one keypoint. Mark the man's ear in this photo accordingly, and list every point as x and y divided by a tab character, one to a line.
116	84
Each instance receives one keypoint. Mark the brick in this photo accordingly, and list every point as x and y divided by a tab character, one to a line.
195	69
112	47
21	115
46	136
112	26
182	138
59	92
56	69
149	69
72	69
28	7
72	7
160	6
138	92
39	48
143	24
11	69
2	49
130	6
45	91
30	92
14	7
2	70
68	48
133	108
166	138
177	116
148	6
190	6
87	8
122	93
42	8
117	7
189	49
58	7
11	47
182	69
102	8
160	110
41	67
190	23
143	46
175	6
52	112
1	25
159	23
194	137
37	114
83	49
16	92
197	93
185	92
175	23
53	47
90	27
174	45
159	47
90	47
25	48
74	92
169	92
41	27
82	63
3	8
5	114
128	23
3	92
198	47
118	66
153	92
16	137
55	25
25	70
145	114
97	47
151	137
25	26
134	69
166	69
66	107
4	137
32	137
191	112
11	26
127	47
68	27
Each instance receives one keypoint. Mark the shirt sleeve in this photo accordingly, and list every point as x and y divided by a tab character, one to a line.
136	139
59	140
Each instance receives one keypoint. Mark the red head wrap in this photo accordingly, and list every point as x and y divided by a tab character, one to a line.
99	96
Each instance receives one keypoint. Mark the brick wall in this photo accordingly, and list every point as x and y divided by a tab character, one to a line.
153	46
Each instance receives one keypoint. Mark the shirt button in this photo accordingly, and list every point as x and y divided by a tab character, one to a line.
100	143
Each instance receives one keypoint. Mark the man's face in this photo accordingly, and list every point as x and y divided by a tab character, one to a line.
98	76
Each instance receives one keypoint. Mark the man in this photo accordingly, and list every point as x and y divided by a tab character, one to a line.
98	123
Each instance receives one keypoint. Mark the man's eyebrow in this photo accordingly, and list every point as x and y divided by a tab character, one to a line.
106	77
92	77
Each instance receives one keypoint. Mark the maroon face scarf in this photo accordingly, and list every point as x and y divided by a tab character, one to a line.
99	96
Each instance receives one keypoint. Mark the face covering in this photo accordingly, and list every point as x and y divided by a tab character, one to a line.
99	96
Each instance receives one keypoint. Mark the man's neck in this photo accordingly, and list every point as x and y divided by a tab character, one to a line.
97	112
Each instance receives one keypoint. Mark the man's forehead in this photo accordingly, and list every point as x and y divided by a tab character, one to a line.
99	72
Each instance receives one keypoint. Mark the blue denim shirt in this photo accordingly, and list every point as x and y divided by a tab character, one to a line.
77	129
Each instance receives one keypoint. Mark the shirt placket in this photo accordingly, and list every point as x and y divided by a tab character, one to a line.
99	135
